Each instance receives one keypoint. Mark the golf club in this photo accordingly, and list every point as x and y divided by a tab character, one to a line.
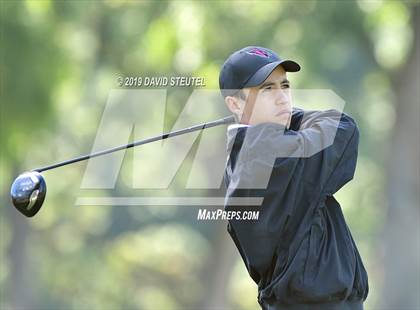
29	189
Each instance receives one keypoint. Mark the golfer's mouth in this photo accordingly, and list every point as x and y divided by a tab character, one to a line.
283	113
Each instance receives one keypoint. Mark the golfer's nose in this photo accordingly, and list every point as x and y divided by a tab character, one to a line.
281	97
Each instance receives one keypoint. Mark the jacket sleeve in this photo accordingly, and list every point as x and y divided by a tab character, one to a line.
322	153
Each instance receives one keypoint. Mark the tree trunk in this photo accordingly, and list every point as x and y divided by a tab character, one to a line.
400	239
218	270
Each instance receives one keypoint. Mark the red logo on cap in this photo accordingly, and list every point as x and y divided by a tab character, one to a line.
259	52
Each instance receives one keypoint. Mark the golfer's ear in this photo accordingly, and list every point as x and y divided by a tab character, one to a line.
234	105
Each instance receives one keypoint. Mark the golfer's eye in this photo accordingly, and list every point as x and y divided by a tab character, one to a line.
267	88
285	86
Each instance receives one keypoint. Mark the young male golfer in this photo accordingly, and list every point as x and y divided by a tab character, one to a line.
299	251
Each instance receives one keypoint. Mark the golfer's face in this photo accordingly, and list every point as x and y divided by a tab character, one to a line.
270	101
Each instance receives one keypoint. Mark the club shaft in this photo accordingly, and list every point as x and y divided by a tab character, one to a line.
222	121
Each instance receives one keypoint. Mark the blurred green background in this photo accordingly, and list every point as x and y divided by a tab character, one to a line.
59	60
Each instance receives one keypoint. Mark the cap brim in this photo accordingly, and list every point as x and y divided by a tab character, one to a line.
262	73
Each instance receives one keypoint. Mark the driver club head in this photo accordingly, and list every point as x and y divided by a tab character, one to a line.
28	193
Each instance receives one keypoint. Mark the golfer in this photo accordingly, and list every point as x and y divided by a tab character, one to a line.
299	251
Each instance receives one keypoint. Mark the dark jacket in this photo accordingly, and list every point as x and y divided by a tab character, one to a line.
300	251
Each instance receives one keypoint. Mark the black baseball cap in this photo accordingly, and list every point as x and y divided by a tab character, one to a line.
249	67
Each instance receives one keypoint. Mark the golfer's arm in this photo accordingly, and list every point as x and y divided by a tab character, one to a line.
329	143
310	154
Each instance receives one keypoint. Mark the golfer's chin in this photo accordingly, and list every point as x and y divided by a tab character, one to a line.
283	119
